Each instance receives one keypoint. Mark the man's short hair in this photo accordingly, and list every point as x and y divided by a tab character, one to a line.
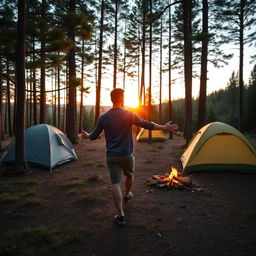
117	94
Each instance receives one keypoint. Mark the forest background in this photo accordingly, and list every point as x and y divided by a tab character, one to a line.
78	50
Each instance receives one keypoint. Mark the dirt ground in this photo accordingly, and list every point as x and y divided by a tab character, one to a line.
218	220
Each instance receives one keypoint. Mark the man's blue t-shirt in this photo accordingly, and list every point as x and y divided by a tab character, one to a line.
117	125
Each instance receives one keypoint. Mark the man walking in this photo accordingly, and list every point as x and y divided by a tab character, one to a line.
117	125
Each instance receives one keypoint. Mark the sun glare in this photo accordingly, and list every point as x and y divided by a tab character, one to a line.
131	99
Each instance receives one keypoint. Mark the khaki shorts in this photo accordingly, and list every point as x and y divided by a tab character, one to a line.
117	164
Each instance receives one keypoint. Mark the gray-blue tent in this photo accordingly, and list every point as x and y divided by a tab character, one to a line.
45	146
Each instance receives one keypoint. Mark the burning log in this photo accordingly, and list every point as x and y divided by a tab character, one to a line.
184	180
172	180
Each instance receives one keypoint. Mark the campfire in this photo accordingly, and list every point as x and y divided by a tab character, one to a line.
172	180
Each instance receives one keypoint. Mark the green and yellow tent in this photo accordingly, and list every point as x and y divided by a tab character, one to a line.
157	135
219	146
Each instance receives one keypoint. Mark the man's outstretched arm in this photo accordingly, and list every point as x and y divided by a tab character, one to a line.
95	133
85	135
166	127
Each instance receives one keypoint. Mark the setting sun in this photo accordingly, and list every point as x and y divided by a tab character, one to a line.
131	98
131	102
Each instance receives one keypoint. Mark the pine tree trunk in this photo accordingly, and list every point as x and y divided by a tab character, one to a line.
143	49
59	109
26	100
241	65
71	118
42	87
170	69
42	83
14	109
54	100
82	92
30	99
9	100
187	69
138	69
34	87
150	75
124	59
203	77
115	45
1	101
5	116
98	88
95	64
160	72
20	160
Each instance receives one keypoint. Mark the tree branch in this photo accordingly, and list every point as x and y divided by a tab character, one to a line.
46	91
162	12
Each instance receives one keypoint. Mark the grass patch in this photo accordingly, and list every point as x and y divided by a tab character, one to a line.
90	198
95	178
9	198
73	192
76	236
26	182
153	150
30	241
39	241
30	192
76	191
251	215
72	183
7	187
139	226
32	202
91	162
15	186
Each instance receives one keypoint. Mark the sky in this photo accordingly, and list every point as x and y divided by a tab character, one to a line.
217	79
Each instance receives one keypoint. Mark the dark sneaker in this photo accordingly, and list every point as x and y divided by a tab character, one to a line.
119	220
128	197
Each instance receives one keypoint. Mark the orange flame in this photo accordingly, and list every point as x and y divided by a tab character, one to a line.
174	173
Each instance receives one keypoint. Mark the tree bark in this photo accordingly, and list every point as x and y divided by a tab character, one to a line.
54	98
42	79
82	92
59	108
71	118
170	69
143	49
150	75
124	59
20	160
160	72
8	96
241	64
204	60
34	87
98	87
187	9
115	44
30	98
1	100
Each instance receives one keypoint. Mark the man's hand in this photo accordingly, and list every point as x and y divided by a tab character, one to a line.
84	135
171	127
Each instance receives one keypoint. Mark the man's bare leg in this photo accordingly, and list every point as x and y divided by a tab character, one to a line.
128	184
118	198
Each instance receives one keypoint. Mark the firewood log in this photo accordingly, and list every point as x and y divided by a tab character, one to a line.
181	179
156	177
